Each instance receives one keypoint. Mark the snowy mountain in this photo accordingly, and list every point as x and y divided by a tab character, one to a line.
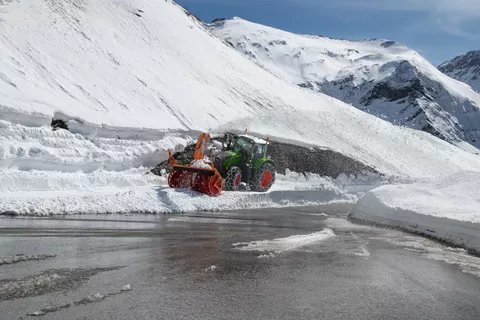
465	68
132	78
381	77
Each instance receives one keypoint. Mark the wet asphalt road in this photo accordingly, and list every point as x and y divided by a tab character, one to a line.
362	272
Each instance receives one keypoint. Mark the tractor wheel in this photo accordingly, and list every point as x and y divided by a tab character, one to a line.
233	179
263	178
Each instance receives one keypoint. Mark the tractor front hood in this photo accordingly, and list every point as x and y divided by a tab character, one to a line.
221	160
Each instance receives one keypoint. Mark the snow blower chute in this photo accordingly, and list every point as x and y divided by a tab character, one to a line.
200	174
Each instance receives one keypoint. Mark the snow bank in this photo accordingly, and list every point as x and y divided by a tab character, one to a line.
157	199
446	209
40	148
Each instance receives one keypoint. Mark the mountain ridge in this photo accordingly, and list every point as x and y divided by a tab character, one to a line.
379	76
465	68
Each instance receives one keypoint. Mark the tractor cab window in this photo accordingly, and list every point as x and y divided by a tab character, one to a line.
259	149
243	145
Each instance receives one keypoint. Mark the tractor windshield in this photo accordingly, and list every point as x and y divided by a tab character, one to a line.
243	144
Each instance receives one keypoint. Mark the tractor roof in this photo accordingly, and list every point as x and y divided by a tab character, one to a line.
254	139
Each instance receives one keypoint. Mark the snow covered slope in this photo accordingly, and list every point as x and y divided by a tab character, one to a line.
465	68
381	77
133	78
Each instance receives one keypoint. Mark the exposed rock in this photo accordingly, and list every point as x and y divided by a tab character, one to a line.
59	124
300	159
464	68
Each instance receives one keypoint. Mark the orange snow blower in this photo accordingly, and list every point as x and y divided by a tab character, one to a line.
200	174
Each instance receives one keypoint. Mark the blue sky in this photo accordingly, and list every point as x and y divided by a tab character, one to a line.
437	29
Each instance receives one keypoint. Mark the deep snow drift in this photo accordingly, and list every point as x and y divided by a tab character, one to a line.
381	77
131	79
447	209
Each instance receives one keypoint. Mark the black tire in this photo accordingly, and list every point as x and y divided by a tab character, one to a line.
260	181
233	179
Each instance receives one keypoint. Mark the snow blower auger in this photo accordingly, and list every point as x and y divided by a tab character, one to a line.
200	174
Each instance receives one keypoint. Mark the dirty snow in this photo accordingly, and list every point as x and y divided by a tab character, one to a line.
10	289
90	299
21	257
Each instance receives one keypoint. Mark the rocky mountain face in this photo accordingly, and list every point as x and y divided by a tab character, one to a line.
381	77
465	68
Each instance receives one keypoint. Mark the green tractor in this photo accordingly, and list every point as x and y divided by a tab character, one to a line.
244	159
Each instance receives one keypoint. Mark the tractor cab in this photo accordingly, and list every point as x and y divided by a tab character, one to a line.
252	148
244	159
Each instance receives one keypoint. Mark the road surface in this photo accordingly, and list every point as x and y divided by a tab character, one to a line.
227	265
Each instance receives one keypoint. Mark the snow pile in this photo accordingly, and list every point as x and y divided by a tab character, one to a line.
281	245
126	287
15	288
381	77
210	269
201	164
447	209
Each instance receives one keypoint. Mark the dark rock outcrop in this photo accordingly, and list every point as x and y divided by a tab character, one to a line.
324	162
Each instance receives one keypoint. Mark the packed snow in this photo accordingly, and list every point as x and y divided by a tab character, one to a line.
128	89
447	209
202	164
282	245
378	76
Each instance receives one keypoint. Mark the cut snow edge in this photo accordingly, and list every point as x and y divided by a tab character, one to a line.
371	209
